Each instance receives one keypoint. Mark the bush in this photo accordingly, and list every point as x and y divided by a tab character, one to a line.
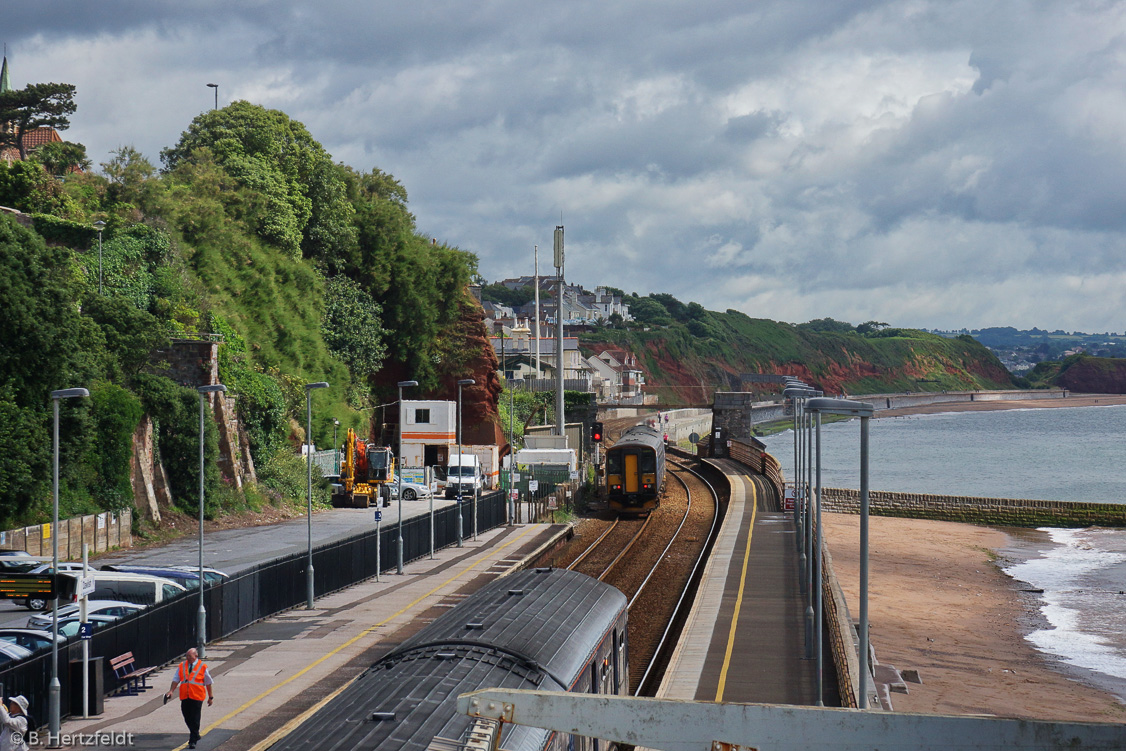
284	476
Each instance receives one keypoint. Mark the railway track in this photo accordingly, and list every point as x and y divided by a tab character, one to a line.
635	555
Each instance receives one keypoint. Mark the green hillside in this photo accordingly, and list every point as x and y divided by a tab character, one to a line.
688	351
309	270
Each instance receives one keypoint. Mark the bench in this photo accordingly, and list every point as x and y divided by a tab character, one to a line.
133	680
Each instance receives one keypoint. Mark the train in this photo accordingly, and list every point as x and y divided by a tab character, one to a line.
544	629
635	471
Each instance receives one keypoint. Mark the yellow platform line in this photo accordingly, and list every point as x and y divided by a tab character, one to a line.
277	734
738	599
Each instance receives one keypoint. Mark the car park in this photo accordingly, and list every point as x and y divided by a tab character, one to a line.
33	639
114	608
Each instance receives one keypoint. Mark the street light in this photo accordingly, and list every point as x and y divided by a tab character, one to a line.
309	387
55	687
460	459
399	475
99	224
335	448
201	615
864	411
216	87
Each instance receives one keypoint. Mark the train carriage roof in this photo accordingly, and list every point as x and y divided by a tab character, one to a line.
551	617
533	629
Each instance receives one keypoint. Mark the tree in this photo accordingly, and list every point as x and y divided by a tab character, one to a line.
38	105
352	327
266	151
61	157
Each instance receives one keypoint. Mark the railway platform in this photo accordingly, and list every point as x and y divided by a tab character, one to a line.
744	640
270	675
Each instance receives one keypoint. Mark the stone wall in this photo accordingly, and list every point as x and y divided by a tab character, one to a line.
755	457
1000	511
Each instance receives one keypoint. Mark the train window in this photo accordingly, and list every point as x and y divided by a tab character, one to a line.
614	463
615	658
648	462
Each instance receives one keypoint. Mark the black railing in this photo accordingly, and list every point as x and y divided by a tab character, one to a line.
161	633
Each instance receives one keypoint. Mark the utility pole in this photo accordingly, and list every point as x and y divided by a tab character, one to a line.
537	283
560	420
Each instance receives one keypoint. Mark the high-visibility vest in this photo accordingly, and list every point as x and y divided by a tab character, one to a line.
191	684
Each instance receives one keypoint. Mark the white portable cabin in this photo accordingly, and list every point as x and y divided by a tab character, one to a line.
429	430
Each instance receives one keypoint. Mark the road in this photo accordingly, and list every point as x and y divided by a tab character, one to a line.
235	550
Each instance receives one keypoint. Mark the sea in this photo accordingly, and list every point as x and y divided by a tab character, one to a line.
1076	577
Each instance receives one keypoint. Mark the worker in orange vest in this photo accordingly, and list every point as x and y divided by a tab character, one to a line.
195	682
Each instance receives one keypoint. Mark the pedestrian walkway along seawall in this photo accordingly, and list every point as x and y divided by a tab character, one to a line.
1012	512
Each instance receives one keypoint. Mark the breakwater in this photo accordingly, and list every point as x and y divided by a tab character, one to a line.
1011	512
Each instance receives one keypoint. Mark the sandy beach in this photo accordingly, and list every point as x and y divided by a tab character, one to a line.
939	604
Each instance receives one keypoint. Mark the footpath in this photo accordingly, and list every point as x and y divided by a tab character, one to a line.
270	675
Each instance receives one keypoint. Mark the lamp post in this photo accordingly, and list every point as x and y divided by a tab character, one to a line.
335	448
201	613
864	411
100	225
55	689
399	476
460	458
216	87
309	387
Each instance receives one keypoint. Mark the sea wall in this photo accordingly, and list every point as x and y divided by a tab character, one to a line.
1012	512
771	411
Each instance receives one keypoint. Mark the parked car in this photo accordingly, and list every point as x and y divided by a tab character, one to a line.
114	608
186	576
17	561
411	490
11	652
29	638
68	627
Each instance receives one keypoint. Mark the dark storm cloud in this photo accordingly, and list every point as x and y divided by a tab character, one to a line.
927	163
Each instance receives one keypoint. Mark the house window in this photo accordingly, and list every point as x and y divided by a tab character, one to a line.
422	416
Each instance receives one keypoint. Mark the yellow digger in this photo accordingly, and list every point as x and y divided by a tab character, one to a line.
366	474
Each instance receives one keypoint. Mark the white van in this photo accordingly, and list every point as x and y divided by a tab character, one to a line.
139	588
464	471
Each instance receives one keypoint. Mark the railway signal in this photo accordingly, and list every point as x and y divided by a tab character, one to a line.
596	432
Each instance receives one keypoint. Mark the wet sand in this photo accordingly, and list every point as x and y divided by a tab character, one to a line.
1075	400
939	604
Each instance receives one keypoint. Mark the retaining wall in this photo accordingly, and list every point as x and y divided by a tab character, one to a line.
1012	512
100	531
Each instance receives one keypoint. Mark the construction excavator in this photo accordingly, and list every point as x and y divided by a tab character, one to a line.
366	474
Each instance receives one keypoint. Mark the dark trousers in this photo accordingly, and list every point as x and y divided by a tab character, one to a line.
191	709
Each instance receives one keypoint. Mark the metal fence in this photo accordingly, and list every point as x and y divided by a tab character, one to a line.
159	634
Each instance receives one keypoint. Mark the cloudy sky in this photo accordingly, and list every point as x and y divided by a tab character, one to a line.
934	164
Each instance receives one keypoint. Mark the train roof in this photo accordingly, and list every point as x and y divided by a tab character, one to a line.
551	617
415	698
533	629
642	434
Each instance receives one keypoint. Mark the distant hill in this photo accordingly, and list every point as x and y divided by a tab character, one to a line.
1082	373
688	352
